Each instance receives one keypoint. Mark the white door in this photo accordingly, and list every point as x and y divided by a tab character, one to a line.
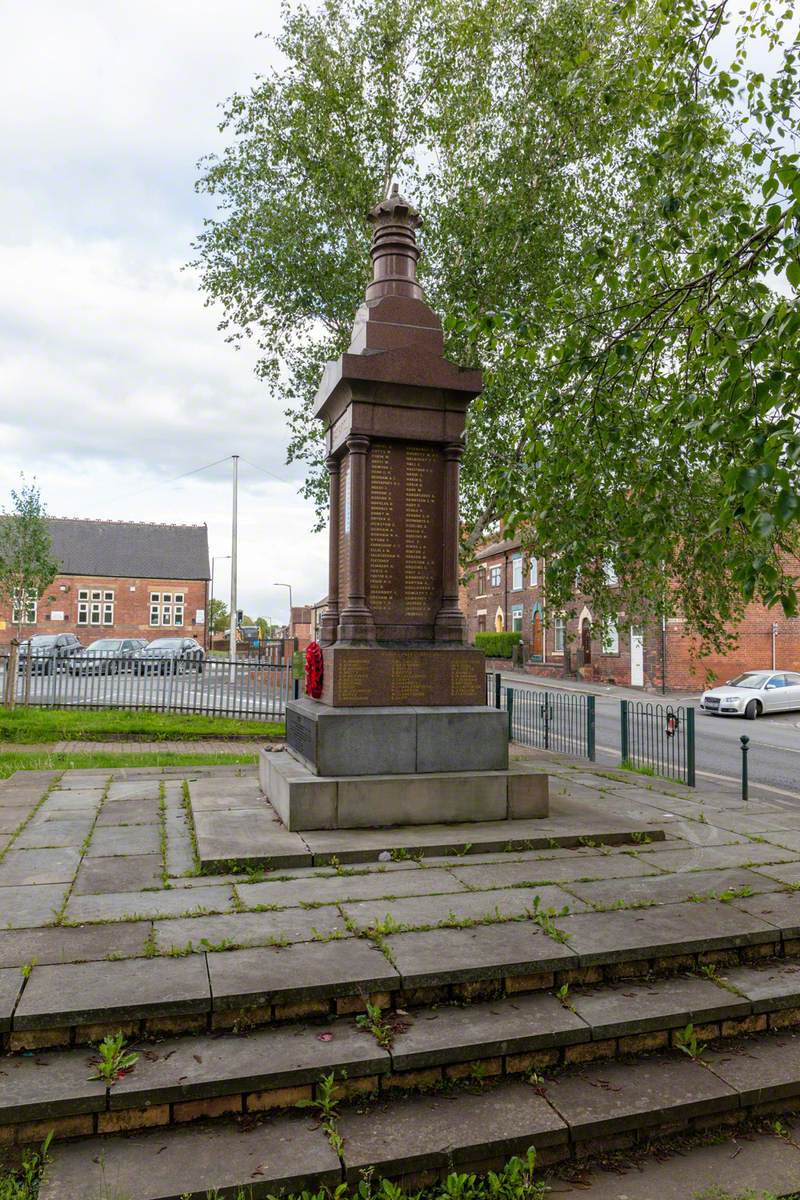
637	656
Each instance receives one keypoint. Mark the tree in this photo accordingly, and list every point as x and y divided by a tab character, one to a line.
569	159
27	565
219	616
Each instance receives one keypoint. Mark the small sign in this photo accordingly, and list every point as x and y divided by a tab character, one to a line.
199	616
56	615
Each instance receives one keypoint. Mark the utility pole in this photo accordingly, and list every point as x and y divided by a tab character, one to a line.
234	536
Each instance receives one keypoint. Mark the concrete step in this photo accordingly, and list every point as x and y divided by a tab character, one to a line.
186	1078
469	957
572	1116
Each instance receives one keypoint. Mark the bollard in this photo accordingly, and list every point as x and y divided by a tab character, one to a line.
745	740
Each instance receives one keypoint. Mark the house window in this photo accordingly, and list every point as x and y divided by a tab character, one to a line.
516	618
559	634
23	608
167	608
95	606
516	573
482	582
534	572
495	576
610	573
610	638
482	623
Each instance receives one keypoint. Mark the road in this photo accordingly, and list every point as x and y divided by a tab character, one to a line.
774	753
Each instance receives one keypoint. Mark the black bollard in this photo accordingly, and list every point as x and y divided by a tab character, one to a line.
745	740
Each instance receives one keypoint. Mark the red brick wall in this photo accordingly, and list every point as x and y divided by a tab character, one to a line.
131	609
754	649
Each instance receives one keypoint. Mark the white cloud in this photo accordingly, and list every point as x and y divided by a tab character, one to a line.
113	375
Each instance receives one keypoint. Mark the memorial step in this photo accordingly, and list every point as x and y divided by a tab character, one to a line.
180	1079
574	1115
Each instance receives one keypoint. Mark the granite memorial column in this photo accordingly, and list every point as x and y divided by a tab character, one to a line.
450	623
330	619
356	623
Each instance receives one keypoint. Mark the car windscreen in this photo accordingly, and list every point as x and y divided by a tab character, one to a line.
165	644
750	679
105	644
41	640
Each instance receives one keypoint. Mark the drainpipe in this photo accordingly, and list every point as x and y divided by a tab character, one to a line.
774	635
544	626
663	653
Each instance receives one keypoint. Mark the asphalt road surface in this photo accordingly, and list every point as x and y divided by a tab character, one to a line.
774	752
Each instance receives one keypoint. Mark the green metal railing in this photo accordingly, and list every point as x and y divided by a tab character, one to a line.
548	720
658	737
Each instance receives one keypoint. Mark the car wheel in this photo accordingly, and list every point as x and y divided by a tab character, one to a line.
753	710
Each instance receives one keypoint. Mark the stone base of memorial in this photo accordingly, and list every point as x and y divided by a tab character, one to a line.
306	801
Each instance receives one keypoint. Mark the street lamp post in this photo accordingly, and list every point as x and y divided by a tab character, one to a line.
217	558
289	586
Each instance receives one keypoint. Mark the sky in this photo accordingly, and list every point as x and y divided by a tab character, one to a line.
113	376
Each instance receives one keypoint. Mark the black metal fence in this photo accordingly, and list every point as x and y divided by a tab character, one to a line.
548	720
658	738
215	686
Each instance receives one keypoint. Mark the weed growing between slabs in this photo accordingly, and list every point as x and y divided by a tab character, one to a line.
22	1182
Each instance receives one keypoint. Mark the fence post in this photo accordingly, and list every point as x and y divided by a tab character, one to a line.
296	688
745	740
546	713
690	747
510	710
590	727
498	681
11	677
623	730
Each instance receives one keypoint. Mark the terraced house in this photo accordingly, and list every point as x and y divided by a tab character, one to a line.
505	590
119	579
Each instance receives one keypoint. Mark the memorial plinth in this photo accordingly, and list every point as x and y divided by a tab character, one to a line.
402	694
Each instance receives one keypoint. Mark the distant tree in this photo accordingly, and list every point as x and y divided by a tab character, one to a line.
219	616
27	565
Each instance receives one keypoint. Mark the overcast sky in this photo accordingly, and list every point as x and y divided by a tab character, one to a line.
113	377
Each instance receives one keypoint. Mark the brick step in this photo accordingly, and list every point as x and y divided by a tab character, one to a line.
186	1078
575	1115
79	1002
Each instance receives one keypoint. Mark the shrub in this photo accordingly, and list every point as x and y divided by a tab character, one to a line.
497	645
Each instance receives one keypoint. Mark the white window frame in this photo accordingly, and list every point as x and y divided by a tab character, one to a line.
516	573
610	644
610	574
517	617
559	634
25	608
534	569
496	576
83	606
167	609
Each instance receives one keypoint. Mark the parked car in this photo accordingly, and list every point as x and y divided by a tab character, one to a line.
106	656
167	656
753	693
47	652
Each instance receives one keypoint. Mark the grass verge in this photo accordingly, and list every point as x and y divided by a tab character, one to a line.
29	726
33	761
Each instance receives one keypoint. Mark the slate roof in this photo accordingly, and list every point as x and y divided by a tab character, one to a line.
129	549
497	548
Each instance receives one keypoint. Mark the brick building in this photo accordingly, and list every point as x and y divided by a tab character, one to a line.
505	590
119	579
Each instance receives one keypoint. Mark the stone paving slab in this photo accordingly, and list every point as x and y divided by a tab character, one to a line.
760	1070
251	978
624	1009
186	1068
788	873
489	873
121	906
49	1084
39	866
122	873
615	1097
128	812
11	981
84	993
116	840
72	944
31	905
706	858
69	832
247	834
438	1132
286	1154
672	889
774	985
779	908
443	956
251	929
133	791
749	1165
450	1034
337	889
417	912
661	931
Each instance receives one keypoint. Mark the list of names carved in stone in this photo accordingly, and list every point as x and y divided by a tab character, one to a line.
410	681
353	680
384	557
465	679
422	550
344	537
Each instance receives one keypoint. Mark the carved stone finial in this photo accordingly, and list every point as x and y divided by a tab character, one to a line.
394	247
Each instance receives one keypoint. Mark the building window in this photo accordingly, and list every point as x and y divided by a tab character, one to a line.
482	623
482	582
559	634
534	572
516	618
610	638
24	608
516	573
95	606
167	608
610	573
495	576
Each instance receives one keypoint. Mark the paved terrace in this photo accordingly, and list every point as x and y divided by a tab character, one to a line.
497	952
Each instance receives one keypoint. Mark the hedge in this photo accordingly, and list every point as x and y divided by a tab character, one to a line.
497	645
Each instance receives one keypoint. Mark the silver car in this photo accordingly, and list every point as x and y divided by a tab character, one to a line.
753	693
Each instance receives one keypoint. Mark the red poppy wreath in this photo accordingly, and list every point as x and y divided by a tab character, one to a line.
314	671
